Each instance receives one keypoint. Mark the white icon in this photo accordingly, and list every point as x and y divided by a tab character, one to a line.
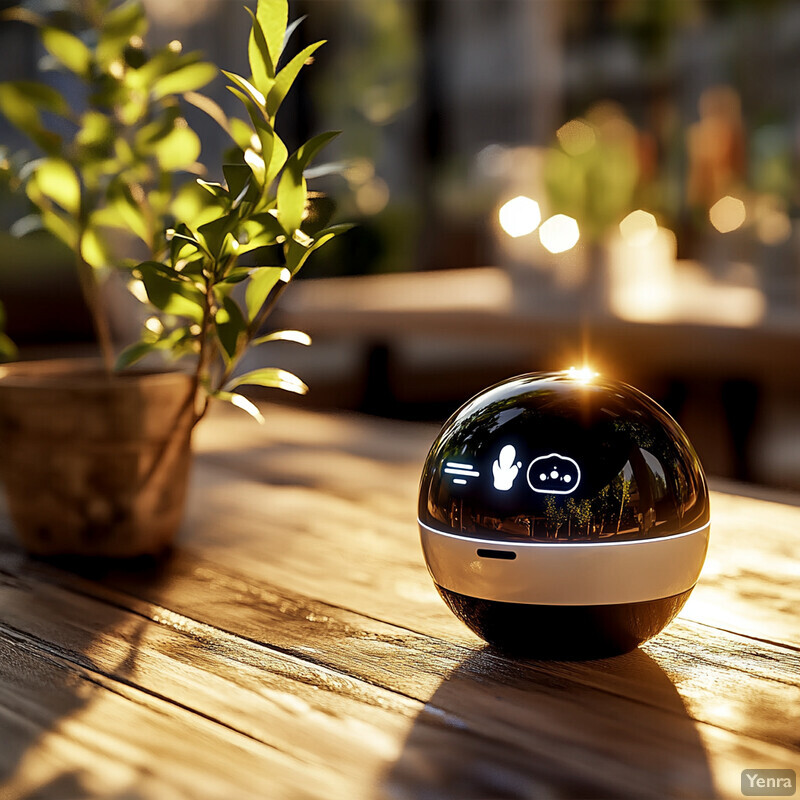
504	469
554	474
462	470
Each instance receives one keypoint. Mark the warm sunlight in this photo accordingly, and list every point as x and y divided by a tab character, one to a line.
583	374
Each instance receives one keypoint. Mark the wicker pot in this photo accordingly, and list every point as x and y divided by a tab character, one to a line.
92	465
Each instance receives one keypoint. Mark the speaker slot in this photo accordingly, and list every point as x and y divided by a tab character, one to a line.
505	555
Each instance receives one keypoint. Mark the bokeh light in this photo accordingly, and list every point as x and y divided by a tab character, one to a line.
373	196
638	228
727	214
559	233
520	216
772	223
576	137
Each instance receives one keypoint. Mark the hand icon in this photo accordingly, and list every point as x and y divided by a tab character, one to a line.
504	469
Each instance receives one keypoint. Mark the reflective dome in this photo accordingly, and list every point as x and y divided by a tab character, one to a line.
562	458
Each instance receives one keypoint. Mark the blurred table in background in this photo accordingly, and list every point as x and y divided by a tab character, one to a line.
435	338
482	304
294	646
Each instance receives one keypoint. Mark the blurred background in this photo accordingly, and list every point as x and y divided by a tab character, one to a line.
538	184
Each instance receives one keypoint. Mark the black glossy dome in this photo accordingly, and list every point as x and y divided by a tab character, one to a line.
552	457
563	516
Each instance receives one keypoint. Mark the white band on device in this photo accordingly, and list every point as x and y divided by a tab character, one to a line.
566	574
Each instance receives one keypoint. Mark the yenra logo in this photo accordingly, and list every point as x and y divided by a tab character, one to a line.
554	474
769	782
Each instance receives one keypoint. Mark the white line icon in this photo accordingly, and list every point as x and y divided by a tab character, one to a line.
462	470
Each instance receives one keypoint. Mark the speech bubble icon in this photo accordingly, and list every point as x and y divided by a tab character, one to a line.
554	474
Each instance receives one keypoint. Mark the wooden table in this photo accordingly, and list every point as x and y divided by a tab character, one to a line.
294	646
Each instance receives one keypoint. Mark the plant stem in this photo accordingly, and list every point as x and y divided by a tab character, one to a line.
202	358
91	295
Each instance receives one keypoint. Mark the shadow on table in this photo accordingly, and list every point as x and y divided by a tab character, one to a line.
58	714
531	729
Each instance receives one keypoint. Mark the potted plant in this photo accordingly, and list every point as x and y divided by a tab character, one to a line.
96	462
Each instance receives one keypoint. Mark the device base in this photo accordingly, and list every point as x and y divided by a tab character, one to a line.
564	632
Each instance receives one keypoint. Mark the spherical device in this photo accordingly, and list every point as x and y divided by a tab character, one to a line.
563	515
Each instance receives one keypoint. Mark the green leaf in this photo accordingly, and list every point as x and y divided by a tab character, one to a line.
43	97
292	185
96	134
291	197
133	353
240	132
240	401
284	336
178	150
157	66
236	275
128	211
262	67
24	115
261	284
214	189
60	226
286	77
270	377
194	202
230	324
272	16
93	249
58	181
67	49
306	152
266	139
119	25
154	131
238	177
254	94
185	79
179	237
279	156
214	234
297	256
262	255
167	271
171	295
261	230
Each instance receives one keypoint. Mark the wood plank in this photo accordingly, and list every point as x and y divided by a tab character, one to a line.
326	729
68	732
356	483
655	708
297	629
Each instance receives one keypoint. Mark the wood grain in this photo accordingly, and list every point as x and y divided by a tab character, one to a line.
293	646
